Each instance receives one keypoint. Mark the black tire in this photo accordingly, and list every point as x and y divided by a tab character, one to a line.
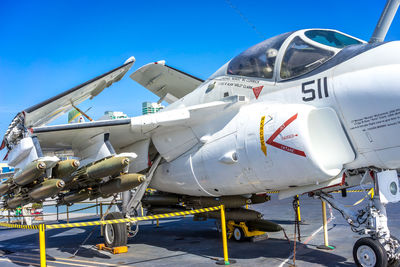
369	252
238	234
115	235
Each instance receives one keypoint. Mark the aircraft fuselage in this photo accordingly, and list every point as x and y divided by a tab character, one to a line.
300	142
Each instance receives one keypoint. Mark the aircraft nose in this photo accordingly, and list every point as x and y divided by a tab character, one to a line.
367	91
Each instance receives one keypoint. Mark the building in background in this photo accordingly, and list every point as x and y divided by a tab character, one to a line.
112	115
4	168
151	107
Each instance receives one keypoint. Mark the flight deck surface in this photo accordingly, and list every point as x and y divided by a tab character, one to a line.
184	242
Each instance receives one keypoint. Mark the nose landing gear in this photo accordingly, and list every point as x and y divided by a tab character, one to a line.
369	252
380	248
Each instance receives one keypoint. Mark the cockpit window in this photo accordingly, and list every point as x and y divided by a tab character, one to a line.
331	38
259	60
301	57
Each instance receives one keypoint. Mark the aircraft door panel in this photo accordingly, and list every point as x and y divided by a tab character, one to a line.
369	101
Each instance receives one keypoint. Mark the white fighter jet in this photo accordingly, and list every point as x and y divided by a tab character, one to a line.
309	111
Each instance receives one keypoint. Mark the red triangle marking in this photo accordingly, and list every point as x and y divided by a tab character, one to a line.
271	140
257	90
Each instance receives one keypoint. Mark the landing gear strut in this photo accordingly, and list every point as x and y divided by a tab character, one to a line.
379	248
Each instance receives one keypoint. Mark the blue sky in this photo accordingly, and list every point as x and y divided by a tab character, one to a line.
48	47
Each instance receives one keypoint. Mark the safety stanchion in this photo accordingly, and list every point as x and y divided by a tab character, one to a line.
325	227
298	209
226	260
42	241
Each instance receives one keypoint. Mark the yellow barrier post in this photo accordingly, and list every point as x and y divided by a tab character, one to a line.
224	239
42	241
298	209
325	226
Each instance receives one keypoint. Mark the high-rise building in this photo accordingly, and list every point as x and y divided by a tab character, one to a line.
112	115
151	107
4	168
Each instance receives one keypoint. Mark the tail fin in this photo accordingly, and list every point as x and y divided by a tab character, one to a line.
75	116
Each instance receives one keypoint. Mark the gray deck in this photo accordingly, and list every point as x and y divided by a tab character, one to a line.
184	242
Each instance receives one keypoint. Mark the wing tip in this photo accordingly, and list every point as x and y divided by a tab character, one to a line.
132	59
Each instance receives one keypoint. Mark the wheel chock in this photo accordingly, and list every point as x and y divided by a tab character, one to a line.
114	250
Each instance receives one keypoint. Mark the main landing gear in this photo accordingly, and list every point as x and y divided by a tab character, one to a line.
379	249
115	235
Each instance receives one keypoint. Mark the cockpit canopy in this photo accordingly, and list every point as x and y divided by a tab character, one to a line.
288	55
259	60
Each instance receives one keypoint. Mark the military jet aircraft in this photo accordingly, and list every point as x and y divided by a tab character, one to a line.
309	111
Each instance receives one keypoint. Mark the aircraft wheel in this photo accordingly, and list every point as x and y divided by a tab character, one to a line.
115	235
368	252
238	234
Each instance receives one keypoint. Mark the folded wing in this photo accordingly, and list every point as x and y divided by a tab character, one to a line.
47	111
166	82
54	107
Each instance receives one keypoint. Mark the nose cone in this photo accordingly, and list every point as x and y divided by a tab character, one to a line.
367	91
